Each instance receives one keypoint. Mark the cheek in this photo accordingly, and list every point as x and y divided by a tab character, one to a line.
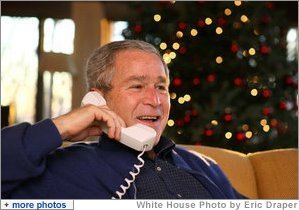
122	106
166	106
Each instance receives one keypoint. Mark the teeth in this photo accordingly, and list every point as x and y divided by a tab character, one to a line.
147	118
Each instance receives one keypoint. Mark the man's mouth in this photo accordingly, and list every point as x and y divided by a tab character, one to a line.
148	118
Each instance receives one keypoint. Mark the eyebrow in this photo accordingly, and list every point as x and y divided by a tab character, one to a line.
144	78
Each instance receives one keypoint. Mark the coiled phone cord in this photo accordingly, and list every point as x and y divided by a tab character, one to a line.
133	175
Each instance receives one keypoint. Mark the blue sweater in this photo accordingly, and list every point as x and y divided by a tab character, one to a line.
33	167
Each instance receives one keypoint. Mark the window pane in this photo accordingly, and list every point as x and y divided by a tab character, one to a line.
61	93
116	30
292	48
57	93
19	65
59	36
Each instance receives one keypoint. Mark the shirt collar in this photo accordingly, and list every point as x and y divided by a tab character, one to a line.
164	147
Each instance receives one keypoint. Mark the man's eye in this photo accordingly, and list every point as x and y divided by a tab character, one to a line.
162	87
136	86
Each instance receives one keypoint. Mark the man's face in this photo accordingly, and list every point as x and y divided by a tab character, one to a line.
139	91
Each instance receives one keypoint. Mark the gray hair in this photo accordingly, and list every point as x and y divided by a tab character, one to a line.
100	65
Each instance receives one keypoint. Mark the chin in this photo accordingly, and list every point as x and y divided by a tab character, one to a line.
157	139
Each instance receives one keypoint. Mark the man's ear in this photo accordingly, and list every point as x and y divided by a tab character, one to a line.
97	90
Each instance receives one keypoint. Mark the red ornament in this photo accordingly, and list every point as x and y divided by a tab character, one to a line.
265	19
265	50
267	111
187	118
221	22
196	81
227	117
266	93
290	81
211	78
269	5
182	50
179	122
194	112
240	136
182	25
201	23
177	81
138	28
238	81
234	48
282	105
274	123
208	132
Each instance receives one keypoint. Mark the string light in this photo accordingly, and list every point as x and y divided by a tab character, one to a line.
244	18
179	34
248	134
166	58
219	60
228	135
245	127
263	122
170	122
251	51
175	46
266	128
187	97
157	17
214	122
256	32
193	32
163	46
173	95
172	55
227	12
181	100
254	92
208	21
237	3
219	30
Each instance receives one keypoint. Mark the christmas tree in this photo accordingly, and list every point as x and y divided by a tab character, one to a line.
231	83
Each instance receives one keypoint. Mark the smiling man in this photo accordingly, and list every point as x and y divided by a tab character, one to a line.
134	80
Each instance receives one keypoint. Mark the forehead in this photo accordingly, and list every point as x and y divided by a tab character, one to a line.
135	61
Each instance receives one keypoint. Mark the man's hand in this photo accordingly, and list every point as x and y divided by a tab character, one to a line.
84	122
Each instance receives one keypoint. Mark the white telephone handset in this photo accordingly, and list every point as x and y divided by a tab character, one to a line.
136	136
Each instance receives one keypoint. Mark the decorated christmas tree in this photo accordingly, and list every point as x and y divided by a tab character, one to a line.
232	85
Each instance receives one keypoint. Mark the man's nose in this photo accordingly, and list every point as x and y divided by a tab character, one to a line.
152	97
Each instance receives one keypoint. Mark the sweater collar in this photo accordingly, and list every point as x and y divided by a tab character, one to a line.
162	149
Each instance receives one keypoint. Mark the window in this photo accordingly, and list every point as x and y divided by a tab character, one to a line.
116	30
59	36
19	66
57	93
57	81
292	47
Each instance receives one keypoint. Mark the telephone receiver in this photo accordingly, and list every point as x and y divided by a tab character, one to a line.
136	137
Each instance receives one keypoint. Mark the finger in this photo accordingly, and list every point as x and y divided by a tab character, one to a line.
109	121
118	124
118	121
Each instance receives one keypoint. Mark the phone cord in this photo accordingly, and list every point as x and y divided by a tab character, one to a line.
133	175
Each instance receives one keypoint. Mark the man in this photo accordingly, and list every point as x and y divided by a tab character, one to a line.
134	80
